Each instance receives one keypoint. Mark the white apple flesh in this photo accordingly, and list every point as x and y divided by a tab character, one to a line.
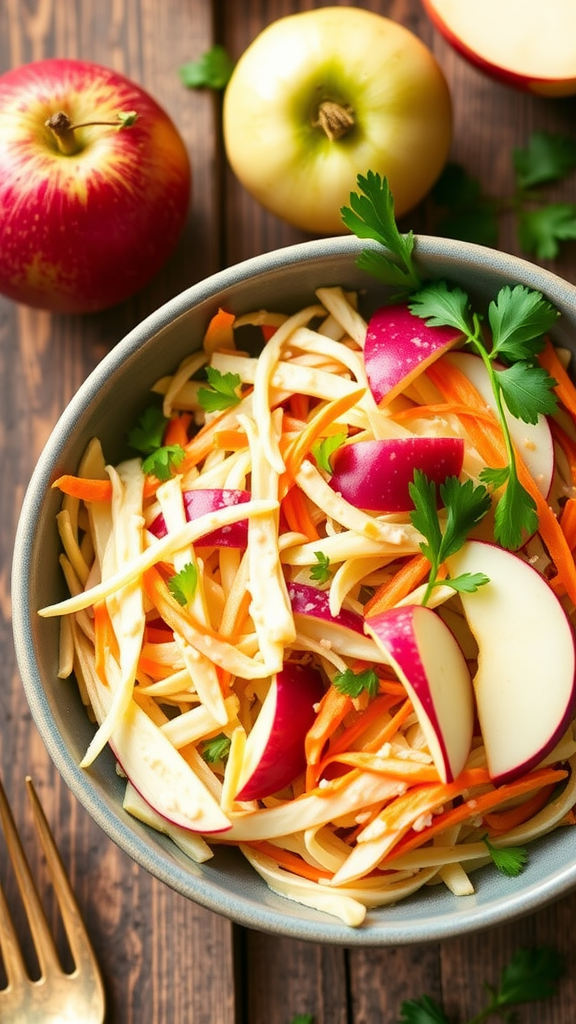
527	44
525	683
274	753
428	659
376	475
533	441
399	346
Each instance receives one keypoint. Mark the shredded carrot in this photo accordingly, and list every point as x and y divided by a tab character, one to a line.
156	670
96	490
268	331
334	707
502	821
105	642
364	720
417	412
568	522
404	581
299	406
476	806
230	440
321	419
394	767
290	861
177	429
219	333
297	515
564	388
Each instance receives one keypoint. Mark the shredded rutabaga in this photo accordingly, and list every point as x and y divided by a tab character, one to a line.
176	680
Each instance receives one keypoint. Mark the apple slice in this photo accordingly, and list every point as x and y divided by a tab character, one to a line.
428	660
375	475
199	502
399	346
527	44
274	753
533	441
525	684
344	632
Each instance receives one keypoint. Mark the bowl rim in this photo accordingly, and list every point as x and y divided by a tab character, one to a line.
469	915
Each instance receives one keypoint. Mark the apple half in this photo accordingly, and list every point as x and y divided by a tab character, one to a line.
533	441
274	753
429	661
376	475
527	44
399	346
525	683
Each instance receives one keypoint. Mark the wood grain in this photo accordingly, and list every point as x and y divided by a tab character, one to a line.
165	960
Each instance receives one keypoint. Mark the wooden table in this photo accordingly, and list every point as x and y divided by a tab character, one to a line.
166	961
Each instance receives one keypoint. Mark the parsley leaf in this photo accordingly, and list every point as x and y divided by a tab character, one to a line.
212	70
465	506
441	306
510	860
528	391
546	158
515	512
161	462
222	393
422	1011
354	683
183	584
325	447
147	436
216	749
302	1018
519	318
542	230
371	215
322	572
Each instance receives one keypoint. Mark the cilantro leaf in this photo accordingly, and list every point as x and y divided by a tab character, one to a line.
532	974
161	462
441	306
465	505
216	748
212	70
528	391
222	393
519	318
371	215
322	572
495	477
540	231
422	1011
354	683
183	584
148	435
546	158
325	447
302	1018
515	512
510	860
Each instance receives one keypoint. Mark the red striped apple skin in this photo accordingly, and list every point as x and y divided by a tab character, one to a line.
82	232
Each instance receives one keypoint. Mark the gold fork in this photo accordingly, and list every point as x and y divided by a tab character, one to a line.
56	996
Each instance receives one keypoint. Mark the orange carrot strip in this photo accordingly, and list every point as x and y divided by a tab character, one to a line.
565	389
490	444
219	333
230	440
104	639
334	707
155	669
568	522
268	331
290	861
475	805
417	412
297	514
404	581
299	406
503	821
177	429
377	707
395	767
83	488
321	419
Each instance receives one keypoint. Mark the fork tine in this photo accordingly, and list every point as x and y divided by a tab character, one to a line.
80	945
10	947
41	935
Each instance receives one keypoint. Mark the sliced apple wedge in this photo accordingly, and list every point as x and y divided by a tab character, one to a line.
533	441
376	475
525	684
430	663
400	345
344	632
274	752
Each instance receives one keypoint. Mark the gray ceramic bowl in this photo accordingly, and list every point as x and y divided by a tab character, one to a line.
106	405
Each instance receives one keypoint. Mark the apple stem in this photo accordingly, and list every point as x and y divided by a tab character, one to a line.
334	119
63	129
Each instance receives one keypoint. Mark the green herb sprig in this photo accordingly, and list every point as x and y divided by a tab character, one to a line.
216	748
323	449
222	393
321	572
183	584
212	70
353	684
465	506
510	860
147	438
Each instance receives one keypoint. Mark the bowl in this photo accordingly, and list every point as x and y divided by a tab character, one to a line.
106	405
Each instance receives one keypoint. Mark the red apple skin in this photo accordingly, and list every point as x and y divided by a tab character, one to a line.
376	475
514	79
298	689
82	233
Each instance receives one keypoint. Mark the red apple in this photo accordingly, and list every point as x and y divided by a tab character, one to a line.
274	754
528	44
89	214
430	663
399	346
